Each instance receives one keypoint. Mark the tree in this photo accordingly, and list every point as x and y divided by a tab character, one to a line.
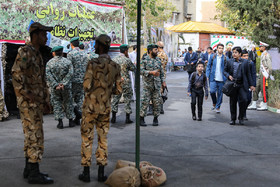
259	19
154	13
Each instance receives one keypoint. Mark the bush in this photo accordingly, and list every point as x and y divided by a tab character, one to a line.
274	90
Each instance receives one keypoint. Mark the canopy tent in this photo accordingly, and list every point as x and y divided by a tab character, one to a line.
199	27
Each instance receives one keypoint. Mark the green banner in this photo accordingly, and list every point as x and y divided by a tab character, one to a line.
70	18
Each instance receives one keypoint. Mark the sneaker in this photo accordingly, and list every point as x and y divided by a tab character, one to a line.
213	107
218	110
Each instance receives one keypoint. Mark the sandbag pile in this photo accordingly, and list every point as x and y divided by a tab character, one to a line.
126	175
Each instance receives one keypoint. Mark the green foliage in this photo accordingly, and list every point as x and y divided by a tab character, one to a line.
259	19
156	11
274	90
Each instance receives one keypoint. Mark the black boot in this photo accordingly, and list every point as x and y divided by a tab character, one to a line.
113	119
150	111
71	123
35	177
78	114
127	120
26	170
142	122
232	122
60	124
101	176
155	121
85	176
161	109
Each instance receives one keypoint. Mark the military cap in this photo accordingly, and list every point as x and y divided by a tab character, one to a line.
74	39
57	48
124	46
38	26
104	39
263	44
152	46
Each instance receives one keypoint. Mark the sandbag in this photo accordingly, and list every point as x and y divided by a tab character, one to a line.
124	177
152	176
125	163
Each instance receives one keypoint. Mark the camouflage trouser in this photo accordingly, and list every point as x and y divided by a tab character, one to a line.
32	122
62	101
3	112
127	95
259	88
153	95
78	95
101	123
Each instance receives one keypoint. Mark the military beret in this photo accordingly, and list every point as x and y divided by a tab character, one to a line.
74	39
38	26
152	46
57	48
124	46
104	39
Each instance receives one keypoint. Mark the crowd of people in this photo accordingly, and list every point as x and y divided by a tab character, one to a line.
235	69
81	86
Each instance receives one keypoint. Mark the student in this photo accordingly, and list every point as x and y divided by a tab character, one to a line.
197	82
237	70
252	67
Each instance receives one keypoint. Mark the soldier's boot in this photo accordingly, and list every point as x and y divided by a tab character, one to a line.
263	107
150	111
35	177
60	124
101	177
161	109
155	121
253	106
142	122
26	170
113	119
78	116
71	123
85	176
127	120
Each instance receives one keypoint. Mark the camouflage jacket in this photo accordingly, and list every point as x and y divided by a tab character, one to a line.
164	59
102	79
59	70
150	64
28	74
79	61
126	66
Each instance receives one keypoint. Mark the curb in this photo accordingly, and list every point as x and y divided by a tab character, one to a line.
275	110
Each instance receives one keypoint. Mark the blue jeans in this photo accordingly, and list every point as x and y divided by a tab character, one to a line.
216	93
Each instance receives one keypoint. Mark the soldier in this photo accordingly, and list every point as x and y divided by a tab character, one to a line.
4	114
31	90
126	66
59	72
153	81
79	61
102	79
265	71
164	59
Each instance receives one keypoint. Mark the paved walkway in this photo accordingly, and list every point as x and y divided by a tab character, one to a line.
192	153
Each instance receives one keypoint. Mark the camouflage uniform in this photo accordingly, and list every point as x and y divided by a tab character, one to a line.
4	114
92	55
79	61
126	66
59	70
266	61
29	78
164	60
151	85
102	79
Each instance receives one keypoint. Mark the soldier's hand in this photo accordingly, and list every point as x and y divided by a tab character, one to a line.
61	86
164	85
58	87
155	73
